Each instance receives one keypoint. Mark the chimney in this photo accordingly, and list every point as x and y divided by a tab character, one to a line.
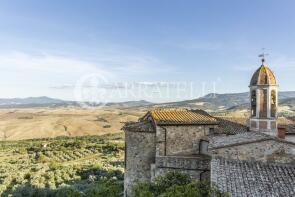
281	132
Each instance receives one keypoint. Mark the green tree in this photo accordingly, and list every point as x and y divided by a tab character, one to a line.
110	188
175	184
68	192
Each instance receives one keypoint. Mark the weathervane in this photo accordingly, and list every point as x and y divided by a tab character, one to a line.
262	55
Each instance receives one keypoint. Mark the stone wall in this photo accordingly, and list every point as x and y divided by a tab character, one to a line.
268	150
180	140
197	167
140	150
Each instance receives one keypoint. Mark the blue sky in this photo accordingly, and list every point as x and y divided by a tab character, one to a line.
170	50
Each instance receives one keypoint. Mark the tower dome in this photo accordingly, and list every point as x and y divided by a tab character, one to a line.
263	76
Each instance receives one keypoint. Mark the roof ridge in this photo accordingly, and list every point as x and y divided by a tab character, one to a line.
181	116
169	109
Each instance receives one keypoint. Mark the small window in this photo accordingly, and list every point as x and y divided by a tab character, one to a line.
204	147
211	131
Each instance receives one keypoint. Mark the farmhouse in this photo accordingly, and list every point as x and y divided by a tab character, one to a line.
243	160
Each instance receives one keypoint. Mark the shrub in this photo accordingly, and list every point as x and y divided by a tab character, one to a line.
175	184
110	188
68	192
162	183
53	165
143	189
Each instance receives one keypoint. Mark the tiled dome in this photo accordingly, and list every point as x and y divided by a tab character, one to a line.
263	76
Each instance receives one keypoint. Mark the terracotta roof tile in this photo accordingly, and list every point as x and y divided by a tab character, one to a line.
263	76
232	125
181	116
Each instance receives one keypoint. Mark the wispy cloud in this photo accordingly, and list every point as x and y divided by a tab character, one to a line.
110	65
113	85
63	86
18	61
123	85
48	73
158	84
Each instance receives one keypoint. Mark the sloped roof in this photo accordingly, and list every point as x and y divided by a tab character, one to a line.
238	139
288	123
231	125
181	117
248	178
263	76
234	125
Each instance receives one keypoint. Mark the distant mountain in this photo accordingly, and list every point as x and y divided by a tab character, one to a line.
232	101
210	102
31	102
286	94
52	102
140	103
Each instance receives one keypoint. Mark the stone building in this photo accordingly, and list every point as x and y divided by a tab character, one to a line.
232	155
168	139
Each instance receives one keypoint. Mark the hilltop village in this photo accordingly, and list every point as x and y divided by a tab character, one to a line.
253	157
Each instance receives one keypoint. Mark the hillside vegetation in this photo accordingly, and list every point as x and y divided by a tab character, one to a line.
64	166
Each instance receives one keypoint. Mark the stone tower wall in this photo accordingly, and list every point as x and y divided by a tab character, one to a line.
140	151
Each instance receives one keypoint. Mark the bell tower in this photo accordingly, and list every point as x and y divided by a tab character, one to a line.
263	100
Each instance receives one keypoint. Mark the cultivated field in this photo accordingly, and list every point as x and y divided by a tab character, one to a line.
64	166
29	123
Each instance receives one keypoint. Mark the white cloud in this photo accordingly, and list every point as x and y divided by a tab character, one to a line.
108	65
48	74
18	61
158	84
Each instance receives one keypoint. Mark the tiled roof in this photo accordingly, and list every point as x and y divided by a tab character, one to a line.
142	126
181	116
231	125
241	138
288	123
263	76
246	178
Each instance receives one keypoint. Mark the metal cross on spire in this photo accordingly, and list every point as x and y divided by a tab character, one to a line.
262	55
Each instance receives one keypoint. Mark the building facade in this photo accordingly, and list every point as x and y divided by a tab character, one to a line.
241	160
165	140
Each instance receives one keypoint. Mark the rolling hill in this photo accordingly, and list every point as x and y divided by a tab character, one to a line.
232	102
210	102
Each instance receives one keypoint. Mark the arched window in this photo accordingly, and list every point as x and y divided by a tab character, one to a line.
273	103
253	103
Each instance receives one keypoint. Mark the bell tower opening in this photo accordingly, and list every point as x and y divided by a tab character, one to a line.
273	104
253	103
